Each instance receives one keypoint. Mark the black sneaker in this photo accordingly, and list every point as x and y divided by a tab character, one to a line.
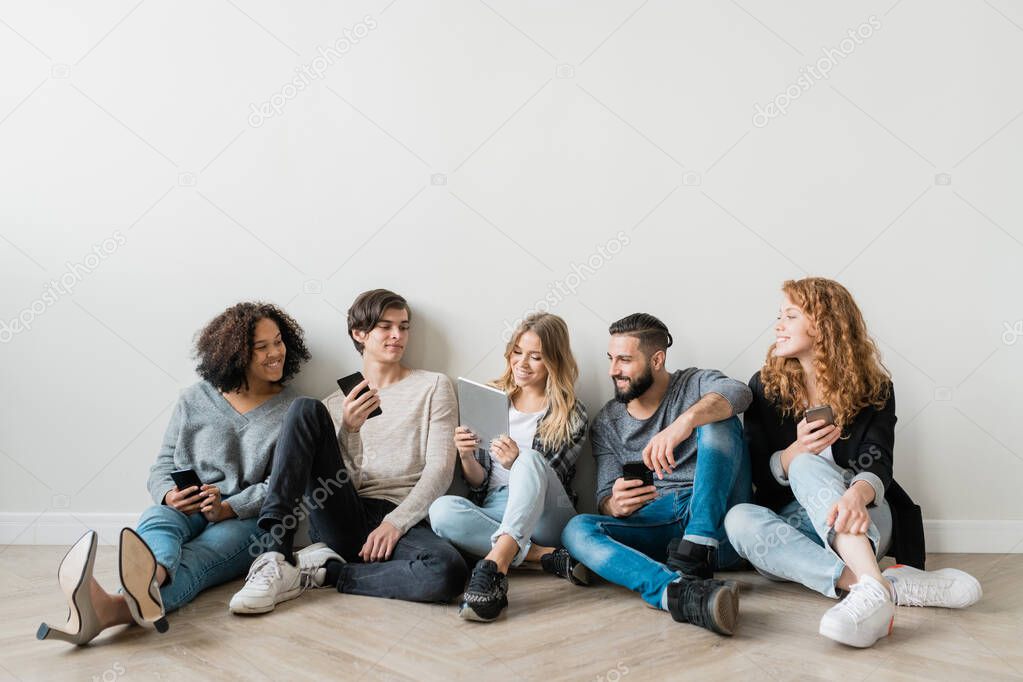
560	563
707	603
487	594
690	559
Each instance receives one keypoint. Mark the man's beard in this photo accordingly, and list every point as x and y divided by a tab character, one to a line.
636	387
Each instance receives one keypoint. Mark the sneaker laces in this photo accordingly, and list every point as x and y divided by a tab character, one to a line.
863	597
481	584
263	572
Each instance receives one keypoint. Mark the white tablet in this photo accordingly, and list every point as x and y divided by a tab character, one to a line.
484	409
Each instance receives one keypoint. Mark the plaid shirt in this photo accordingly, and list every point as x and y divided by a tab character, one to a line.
561	460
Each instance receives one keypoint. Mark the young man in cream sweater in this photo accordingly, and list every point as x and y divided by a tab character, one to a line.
365	482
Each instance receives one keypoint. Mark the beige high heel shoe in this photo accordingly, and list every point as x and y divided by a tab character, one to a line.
74	575
138	578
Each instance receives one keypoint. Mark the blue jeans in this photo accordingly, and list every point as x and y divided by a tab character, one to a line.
630	551
196	553
533	507
794	543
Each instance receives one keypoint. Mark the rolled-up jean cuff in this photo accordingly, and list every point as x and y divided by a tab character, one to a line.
523	543
839	569
875	482
701	540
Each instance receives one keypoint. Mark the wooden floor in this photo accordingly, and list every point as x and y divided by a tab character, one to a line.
552	631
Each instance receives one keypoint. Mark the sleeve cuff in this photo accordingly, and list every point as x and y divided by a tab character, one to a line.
244	506
399	521
160	492
776	469
875	482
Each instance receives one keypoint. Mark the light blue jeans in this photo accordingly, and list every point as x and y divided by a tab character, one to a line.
794	543
196	553
533	507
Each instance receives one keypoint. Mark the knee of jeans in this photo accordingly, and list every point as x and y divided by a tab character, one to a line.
578	529
723	437
528	461
448	573
739	525
803	465
305	408
156	514
444	512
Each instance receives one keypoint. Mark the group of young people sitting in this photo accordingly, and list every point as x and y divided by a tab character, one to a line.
813	502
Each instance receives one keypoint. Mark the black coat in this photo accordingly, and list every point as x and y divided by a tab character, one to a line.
866	445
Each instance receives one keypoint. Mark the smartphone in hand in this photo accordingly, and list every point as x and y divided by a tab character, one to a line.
347	385
824	412
637	471
186	478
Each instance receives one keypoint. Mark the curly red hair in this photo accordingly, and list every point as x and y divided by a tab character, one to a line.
850	374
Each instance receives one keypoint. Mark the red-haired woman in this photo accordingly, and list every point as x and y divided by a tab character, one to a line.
827	507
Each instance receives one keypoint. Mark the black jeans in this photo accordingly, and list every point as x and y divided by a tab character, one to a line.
309	479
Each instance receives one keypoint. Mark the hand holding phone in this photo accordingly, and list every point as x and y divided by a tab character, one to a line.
629	495
817	431
186	496
361	401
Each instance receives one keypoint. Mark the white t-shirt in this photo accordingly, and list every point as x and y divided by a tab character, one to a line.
522	429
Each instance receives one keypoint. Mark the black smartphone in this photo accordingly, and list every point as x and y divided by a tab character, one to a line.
637	471
824	412
186	478
348	383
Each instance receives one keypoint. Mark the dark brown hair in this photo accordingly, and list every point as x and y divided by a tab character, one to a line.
653	334
369	307
224	346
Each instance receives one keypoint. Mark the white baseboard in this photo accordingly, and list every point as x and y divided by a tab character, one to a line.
63	528
989	536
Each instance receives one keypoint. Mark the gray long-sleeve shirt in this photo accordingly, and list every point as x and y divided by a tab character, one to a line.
619	438
230	450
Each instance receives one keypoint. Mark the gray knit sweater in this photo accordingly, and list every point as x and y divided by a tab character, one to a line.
230	450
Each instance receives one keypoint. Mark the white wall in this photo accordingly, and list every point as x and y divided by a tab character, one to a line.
473	155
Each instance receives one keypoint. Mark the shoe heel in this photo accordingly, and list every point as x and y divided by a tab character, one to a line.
46	632
73	575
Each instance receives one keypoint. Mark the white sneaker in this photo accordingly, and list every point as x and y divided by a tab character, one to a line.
271	580
949	587
866	615
311	561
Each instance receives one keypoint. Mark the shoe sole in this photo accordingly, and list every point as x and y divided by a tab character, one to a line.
242	609
857	642
580	575
137	566
466	612
725	611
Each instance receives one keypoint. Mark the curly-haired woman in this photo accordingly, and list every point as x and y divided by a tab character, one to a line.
224	428
827	507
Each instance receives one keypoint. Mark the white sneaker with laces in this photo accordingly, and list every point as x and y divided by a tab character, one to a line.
271	580
949	588
866	615
311	561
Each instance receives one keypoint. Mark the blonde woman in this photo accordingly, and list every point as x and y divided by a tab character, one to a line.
827	507
520	489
